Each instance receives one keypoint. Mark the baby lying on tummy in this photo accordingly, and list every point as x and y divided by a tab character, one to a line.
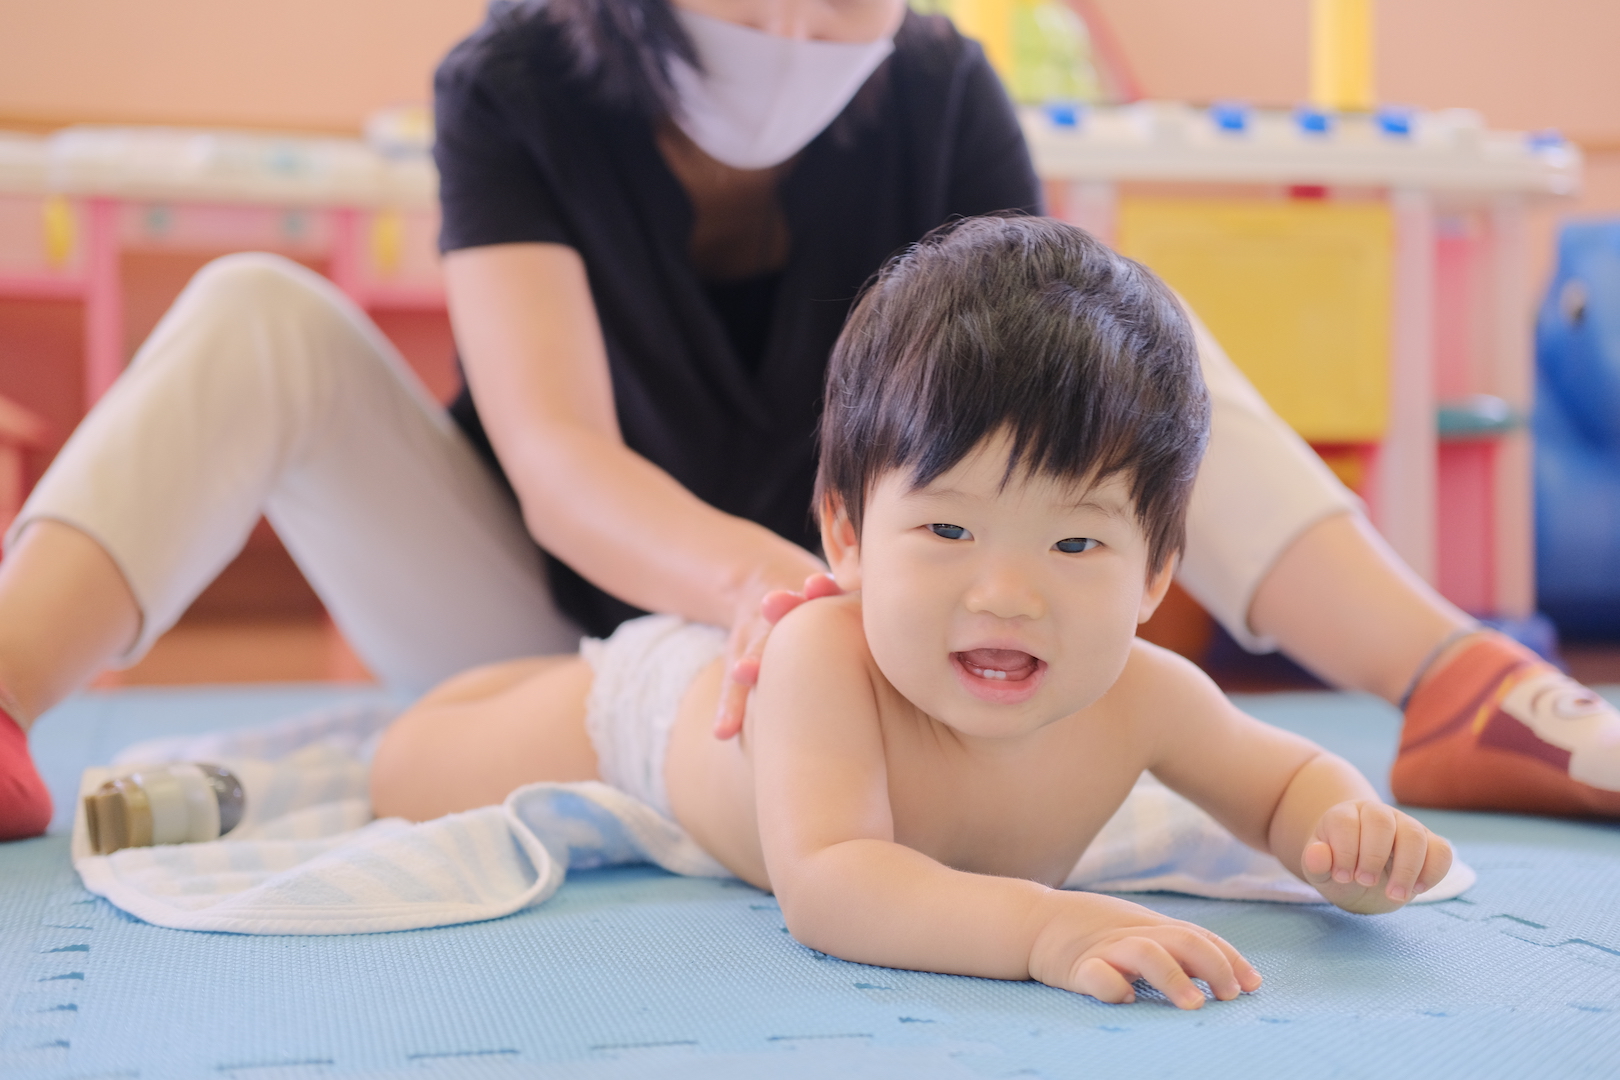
1013	419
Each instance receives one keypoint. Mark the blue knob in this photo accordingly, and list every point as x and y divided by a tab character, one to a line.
1230	115
1313	121
1396	121
1065	114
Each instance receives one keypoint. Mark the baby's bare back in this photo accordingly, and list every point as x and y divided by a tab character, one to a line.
1028	813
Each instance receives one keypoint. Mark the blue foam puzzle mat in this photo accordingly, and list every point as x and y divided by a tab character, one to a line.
636	973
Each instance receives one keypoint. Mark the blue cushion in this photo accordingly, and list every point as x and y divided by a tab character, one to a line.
633	972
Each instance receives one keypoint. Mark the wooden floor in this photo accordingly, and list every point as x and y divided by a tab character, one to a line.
245	650
261	622
258	622
224	650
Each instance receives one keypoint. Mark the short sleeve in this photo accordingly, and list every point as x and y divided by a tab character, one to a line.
992	170
491	188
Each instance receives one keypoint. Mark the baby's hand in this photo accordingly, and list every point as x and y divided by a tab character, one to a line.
1369	858
1100	945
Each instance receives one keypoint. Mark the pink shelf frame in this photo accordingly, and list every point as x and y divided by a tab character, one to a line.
99	285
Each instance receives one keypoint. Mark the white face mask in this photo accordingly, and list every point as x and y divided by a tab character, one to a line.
761	98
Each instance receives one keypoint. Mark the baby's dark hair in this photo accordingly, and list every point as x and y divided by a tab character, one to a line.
1029	326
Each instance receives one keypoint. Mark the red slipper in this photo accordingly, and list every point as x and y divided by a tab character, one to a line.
25	804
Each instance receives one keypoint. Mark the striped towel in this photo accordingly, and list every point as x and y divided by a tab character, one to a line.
308	858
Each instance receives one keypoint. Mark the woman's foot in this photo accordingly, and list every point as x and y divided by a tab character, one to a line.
1498	728
25	804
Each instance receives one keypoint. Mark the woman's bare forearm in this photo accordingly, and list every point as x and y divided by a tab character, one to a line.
631	529
537	367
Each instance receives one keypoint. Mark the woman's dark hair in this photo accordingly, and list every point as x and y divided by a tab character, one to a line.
622	50
1029	326
619	49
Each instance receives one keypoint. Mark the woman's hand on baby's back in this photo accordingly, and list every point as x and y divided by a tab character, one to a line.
1100	945
1367	857
748	645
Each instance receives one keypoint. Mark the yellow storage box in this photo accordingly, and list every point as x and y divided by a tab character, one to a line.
1297	291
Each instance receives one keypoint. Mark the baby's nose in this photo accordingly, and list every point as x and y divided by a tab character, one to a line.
1006	592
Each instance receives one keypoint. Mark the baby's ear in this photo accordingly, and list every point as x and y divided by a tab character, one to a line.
1157	586
840	544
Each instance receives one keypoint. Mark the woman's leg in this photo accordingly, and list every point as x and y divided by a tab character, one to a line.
1489	725
43	656
264	389
1345	606
53	570
1280	554
1259	489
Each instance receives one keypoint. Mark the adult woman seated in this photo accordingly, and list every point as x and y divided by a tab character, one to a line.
655	221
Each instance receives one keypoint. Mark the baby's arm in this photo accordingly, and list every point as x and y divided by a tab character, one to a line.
847	888
1281	793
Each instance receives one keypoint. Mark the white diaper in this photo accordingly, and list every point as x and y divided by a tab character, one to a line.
642	672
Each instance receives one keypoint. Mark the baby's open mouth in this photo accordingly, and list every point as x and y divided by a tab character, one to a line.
1001	665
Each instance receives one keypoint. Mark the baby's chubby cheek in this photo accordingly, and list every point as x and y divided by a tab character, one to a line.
1094	654
908	632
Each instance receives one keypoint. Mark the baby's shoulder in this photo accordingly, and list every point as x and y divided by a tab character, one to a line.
817	668
820	634
1158	685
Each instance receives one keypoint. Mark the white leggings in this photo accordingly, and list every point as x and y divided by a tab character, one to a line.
264	390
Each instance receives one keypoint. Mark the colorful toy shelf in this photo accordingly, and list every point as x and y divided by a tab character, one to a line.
73	203
1445	151
1366	270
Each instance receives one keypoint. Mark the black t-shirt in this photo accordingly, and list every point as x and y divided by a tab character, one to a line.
526	152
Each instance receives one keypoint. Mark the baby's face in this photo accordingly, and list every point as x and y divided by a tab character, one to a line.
998	609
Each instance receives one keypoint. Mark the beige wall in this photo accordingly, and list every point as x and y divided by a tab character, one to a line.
326	64
308	64
1523	63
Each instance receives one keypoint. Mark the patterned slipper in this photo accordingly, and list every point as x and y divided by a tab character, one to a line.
1498	728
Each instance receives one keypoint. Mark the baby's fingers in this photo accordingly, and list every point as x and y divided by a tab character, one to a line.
1317	862
1096	977
1144	958
1147	958
1248	979
1436	865
1411	852
1340	831
1204	955
1378	827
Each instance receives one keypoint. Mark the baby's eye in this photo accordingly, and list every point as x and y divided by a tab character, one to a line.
949	532
1075	544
